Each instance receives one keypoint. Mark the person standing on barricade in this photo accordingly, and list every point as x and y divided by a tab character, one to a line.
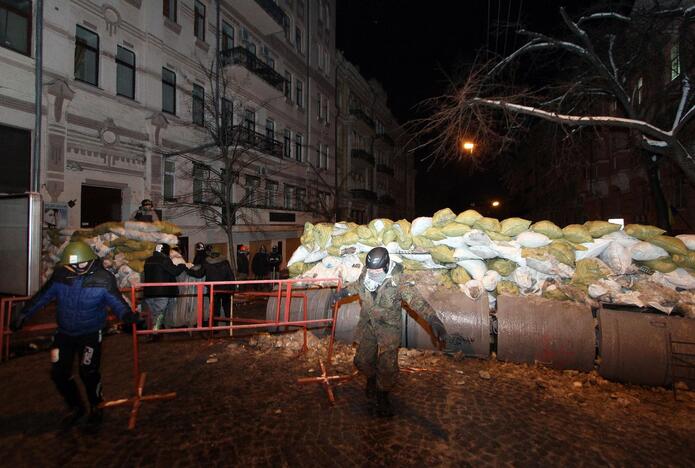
145	212
274	261
83	290
378	334
161	299
215	267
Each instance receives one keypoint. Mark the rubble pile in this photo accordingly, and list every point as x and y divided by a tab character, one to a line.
122	246
592	262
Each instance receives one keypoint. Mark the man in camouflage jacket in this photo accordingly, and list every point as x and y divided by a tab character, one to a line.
378	334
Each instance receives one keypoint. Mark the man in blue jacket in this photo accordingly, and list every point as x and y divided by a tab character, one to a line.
83	290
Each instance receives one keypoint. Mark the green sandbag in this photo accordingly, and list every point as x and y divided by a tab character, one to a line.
547	228
496	236
364	232
562	251
554	294
663	265
333	251
685	261
307	238
370	241
401	227
386	224
642	231
539	253
137	265
468	217
454	229
349	238
487	224
322	235
388	236
601	228
433	233
442	217
514	226
508	288
123	244
422	242
459	275
442	254
576	233
413	265
103	228
298	268
502	266
406	243
672	245
81	234
589	271
141	255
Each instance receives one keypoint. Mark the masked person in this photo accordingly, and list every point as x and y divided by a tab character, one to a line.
215	267
274	261
83	290
200	253
145	212
381	290
161	300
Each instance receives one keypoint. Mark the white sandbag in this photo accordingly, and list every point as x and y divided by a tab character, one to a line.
351	261
392	247
617	257
621	238
644	251
157	237
339	229
475	268
453	242
550	266
432	265
490	280
688	240
509	251
298	256
628	298
593	249
492	301
119	231
331	261
396	258
361	247
417	256
315	256
524	277
678	278
140	226
483	251
420	225
463	253
532	240
476	237
473	289
604	287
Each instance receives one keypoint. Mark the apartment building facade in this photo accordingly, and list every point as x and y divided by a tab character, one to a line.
376	177
124	109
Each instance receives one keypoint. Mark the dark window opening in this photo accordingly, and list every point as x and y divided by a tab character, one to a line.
15	165
168	91
125	73
198	105
199	21
99	205
15	25
86	56
169	9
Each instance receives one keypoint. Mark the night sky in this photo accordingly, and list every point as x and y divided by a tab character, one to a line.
413	48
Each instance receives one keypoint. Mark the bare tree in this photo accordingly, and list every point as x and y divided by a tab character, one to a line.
229	150
616	70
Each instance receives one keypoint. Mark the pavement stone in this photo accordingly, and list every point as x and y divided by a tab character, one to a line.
246	409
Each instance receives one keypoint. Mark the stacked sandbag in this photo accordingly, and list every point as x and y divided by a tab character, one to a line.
592	262
122	246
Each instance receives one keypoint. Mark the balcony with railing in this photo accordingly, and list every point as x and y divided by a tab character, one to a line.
384	169
363	155
247	138
266	15
239	56
362	115
363	194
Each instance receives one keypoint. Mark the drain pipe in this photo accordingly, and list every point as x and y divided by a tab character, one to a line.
38	81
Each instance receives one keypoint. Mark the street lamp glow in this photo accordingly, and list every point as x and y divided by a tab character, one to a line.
468	146
495	203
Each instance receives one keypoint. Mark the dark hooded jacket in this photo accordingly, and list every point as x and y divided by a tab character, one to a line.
160	269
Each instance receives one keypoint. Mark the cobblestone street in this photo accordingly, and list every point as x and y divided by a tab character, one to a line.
245	408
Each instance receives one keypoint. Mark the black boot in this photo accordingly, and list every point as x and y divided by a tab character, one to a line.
96	416
370	390
73	416
383	404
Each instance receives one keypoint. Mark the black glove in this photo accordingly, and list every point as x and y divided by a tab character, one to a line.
437	327
130	318
337	296
18	322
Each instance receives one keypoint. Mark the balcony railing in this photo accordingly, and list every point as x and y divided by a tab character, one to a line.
246	137
275	12
241	56
383	168
360	114
363	155
363	194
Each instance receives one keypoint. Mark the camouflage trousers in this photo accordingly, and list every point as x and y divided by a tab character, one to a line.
377	350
